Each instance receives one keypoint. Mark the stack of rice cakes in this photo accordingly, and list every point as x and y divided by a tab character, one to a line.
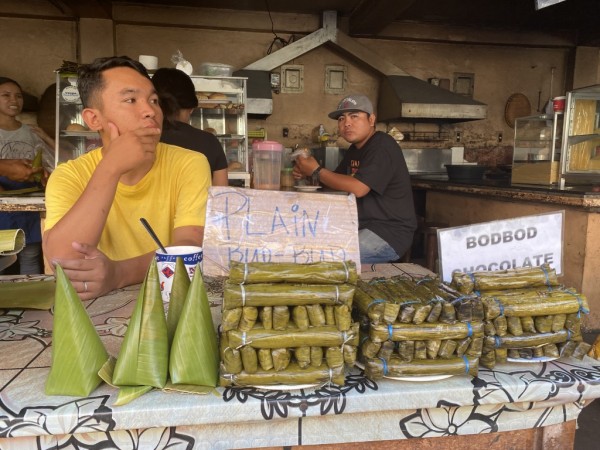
529	316
288	324
417	329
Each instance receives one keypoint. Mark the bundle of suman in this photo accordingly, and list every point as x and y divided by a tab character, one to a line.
417	328
288	324
528	314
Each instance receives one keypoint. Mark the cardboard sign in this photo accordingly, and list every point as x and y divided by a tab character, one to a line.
249	225
528	241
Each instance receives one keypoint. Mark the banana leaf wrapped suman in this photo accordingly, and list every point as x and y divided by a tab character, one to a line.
329	315
520	278
293	337
293	375
302	355
573	324
558	322
421	313
390	312
249	359
343	317
386	350
448	314
488	359
406	350
501	355
77	351
581	350
236	295
513	353
543	324
334	357
477	311
316	315
265	315
300	317
27	294
249	318
514	325
281	317
350	354
194	357
370	349
501	325
433	347
557	301
488	328
425	331
527	340
462	346
464	310
144	356
230	318
567	348
420	350
447	348
551	351
264	359
281	358
407	313
528	325
366	304
475	347
376	369
316	356
538	352
314	273
434	314
230	357
179	290
525	353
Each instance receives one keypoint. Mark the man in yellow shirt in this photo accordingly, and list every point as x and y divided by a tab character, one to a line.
94	202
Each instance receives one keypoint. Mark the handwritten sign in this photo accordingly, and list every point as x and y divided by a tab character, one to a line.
528	241
249	225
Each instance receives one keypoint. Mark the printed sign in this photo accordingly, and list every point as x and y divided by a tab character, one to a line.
528	241
249	225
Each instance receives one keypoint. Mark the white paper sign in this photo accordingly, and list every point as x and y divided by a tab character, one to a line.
249	225
528	241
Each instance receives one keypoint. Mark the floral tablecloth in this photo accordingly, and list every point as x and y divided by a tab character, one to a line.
511	397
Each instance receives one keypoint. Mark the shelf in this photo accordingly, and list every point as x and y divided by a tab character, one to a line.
574	140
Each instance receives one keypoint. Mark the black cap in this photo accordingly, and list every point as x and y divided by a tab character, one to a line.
176	83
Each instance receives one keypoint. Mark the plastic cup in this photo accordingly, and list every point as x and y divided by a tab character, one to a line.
191	255
558	103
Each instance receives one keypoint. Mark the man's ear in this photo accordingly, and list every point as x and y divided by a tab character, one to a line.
92	118
372	119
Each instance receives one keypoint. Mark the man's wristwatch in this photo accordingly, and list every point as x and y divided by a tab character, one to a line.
315	174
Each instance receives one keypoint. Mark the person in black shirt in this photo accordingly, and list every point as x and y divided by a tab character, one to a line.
374	170
178	100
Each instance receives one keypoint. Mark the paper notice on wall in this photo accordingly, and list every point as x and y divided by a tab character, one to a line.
528	241
249	225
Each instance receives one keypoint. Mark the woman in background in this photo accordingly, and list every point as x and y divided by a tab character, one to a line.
178	100
21	141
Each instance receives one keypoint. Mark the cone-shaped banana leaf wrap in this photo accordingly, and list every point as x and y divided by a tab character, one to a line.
125	394
28	294
425	331
179	290
77	351
238	295
292	337
144	356
292	375
544	303
194	355
521	278
314	273
395	367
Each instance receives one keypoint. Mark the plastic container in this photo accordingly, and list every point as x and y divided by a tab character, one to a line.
558	104
465	171
266	164
216	69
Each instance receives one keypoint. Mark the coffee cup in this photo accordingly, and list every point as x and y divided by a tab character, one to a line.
191	255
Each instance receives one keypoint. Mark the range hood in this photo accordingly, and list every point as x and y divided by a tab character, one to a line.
401	96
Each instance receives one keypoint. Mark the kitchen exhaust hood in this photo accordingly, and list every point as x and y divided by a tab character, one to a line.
401	96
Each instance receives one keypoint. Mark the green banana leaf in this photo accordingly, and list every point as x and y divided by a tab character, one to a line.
36	164
27	294
11	241
77	351
144	356
125	394
194	354
179	290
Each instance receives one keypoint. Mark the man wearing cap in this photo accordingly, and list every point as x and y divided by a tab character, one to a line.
374	170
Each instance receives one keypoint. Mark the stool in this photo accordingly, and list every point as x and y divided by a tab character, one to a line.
428	232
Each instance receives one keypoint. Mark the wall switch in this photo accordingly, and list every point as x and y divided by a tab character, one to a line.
457	136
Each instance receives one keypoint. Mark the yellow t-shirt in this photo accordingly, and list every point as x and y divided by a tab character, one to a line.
172	194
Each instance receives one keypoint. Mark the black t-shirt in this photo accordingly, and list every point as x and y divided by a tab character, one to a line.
186	136
388	209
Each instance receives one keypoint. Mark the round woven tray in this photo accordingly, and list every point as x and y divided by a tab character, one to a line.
517	105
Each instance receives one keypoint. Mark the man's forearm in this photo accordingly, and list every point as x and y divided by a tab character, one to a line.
131	271
344	183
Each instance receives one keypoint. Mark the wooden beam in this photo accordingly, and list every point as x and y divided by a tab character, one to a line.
91	9
370	18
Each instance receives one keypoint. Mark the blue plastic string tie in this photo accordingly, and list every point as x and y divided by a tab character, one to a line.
375	302
469	329
466	360
390	331
568	334
580	301
497	341
385	366
362	341
547	277
500	305
459	299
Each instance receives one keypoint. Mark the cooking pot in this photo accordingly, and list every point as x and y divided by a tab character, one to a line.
465	171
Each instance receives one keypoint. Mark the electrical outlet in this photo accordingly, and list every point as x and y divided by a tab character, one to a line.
500	136
457	136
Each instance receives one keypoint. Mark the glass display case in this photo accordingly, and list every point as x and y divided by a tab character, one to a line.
221	110
73	138
581	147
537	149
